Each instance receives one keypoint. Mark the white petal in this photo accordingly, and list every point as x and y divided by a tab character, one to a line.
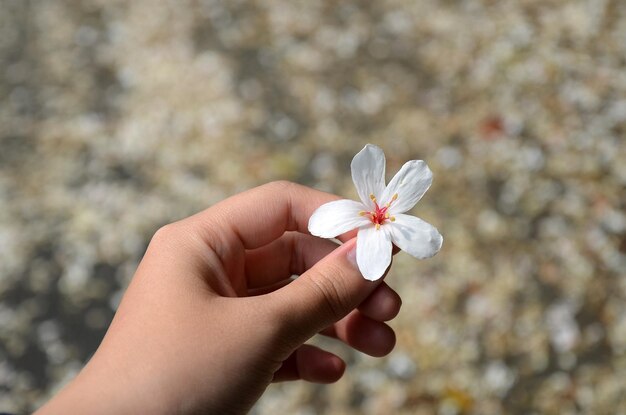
414	236
410	183
368	173
373	251
334	218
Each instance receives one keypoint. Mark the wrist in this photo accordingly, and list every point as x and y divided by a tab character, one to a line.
102	389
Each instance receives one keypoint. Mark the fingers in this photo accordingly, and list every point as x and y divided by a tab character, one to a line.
260	215
270	267
382	305
324	294
311	364
363	334
316	365
291	254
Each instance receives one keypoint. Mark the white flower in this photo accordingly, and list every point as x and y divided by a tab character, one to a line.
380	215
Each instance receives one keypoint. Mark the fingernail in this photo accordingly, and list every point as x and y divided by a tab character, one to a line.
351	255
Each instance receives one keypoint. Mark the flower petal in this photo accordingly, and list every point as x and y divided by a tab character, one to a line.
373	252
414	236
337	217
410	183
368	173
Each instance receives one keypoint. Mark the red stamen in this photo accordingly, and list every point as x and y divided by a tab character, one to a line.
379	215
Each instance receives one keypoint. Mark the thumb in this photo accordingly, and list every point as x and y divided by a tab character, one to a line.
323	295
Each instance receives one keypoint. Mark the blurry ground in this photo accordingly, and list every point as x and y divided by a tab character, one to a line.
117	117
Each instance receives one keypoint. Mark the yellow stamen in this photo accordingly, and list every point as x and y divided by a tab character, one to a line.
362	213
372	197
377	226
387	215
395	196
392	218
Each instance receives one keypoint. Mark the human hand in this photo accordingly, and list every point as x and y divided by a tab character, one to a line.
211	317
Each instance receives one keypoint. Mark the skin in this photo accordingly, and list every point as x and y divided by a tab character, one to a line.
212	317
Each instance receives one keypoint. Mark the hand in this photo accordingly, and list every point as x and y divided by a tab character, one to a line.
212	317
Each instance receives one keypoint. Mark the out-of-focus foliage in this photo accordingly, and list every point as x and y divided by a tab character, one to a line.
119	116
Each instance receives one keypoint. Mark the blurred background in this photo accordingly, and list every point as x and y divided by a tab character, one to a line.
117	117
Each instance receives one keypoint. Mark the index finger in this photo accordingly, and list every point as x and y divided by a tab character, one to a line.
258	216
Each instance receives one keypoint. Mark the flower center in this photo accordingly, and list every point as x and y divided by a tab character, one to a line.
379	215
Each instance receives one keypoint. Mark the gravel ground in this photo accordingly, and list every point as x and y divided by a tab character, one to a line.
117	117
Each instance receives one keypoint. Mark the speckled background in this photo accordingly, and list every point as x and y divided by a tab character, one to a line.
117	117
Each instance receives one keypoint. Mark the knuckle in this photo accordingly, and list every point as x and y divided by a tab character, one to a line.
332	293
164	233
279	184
167	234
282	186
